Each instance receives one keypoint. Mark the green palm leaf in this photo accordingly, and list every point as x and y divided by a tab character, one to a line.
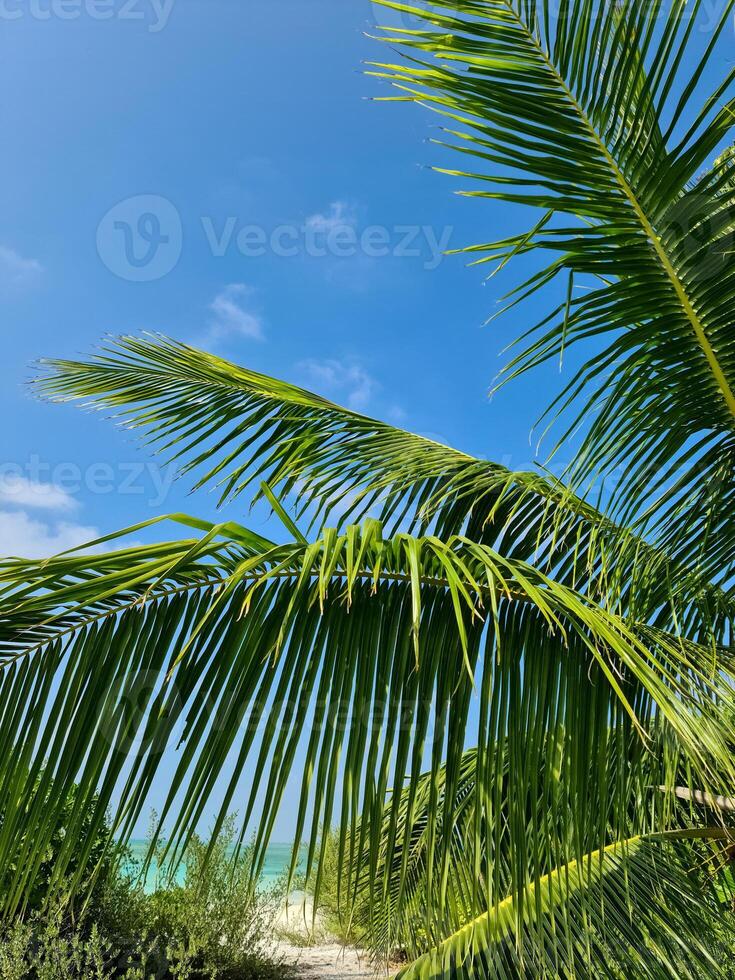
233	427
565	113
393	901
225	644
603	936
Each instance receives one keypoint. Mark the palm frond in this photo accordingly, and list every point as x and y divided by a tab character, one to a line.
226	648
234	427
578	113
396	902
237	427
631	909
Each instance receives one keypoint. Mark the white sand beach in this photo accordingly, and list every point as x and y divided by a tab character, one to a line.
324	958
329	961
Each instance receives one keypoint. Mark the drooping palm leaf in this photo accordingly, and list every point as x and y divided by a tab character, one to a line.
229	647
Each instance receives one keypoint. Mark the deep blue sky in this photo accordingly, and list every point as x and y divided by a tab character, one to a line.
240	113
237	113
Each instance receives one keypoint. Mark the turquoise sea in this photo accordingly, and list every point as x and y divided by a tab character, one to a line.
277	861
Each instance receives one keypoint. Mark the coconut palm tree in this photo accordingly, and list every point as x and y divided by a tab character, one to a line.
420	600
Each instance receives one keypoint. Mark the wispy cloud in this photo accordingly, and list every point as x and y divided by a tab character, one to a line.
396	414
17	271
234	315
339	215
338	243
346	381
22	492
22	536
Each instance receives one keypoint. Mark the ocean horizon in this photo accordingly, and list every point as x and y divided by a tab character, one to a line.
277	863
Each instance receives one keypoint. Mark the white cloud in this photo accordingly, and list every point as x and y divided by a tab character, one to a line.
22	492
25	537
16	270
396	414
345	380
334	237
340	215
232	317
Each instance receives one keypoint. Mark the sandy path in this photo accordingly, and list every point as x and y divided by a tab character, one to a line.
326	959
329	962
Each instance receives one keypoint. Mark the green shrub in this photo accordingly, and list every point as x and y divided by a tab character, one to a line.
44	950
213	927
215	921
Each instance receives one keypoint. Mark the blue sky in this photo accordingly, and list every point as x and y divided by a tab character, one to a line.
231	116
238	135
